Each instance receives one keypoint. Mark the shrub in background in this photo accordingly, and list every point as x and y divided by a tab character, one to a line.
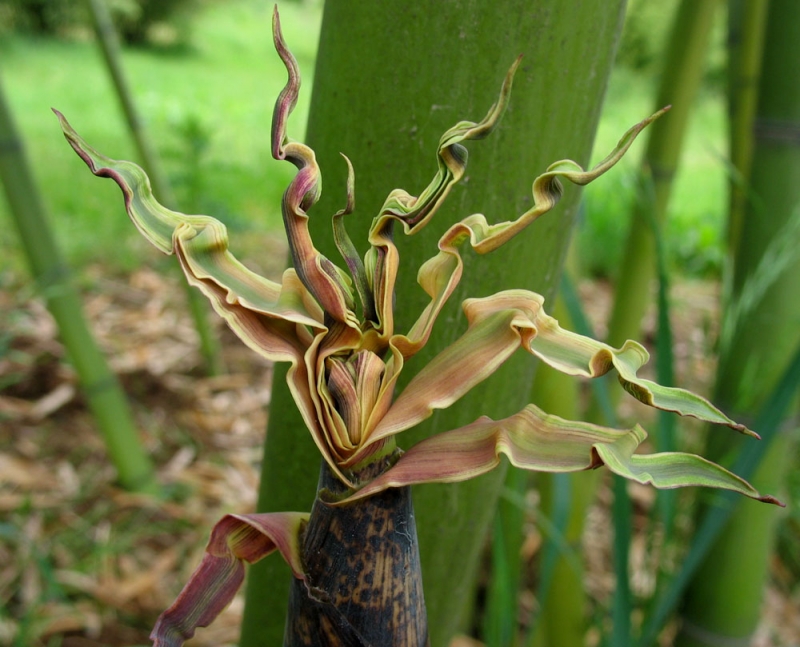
139	22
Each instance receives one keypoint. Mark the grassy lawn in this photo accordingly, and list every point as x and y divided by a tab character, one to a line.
221	89
208	109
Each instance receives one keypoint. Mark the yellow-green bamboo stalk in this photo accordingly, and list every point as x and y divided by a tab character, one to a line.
562	619
557	394
109	45
103	393
390	78
680	79
759	336
747	20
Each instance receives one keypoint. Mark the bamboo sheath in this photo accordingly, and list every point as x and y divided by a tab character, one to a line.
363	583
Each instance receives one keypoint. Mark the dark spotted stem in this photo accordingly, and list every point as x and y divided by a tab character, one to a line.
363	583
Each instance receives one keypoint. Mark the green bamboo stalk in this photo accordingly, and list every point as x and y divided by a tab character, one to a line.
622	604
621	511
109	45
100	386
747	20
680	79
563	500
562	618
390	78
759	334
665	373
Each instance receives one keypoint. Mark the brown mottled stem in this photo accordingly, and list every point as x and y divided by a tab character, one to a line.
363	580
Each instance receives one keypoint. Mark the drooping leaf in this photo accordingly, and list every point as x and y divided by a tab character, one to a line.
536	441
503	322
202	243
236	539
578	355
496	327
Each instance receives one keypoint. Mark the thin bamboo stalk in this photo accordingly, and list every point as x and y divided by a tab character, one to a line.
759	335
563	615
100	386
563	499
680	79
747	21
109	44
621	508
562	619
502	607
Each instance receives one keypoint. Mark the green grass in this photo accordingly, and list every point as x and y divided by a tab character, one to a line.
215	98
698	207
226	83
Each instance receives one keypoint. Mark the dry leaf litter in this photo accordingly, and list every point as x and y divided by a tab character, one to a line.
85	564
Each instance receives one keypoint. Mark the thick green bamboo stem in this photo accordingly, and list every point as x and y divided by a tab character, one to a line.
390	79
103	393
363	579
109	45
760	335
747	21
681	76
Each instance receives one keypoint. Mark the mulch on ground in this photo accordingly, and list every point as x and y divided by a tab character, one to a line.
84	563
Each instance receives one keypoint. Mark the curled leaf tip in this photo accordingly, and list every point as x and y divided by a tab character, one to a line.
744	430
351	190
154	221
287	99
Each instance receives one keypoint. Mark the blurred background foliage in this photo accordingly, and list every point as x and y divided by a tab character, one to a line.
139	22
208	109
205	76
